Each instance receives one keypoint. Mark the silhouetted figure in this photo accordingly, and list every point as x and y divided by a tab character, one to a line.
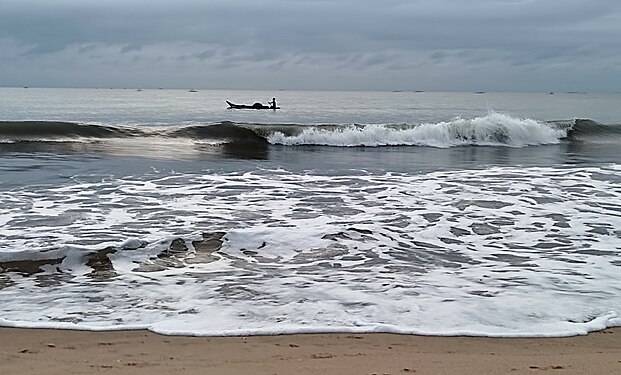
272	103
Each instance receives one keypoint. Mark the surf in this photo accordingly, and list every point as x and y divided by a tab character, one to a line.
493	129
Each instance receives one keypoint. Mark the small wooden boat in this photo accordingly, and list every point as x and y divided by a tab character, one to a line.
245	106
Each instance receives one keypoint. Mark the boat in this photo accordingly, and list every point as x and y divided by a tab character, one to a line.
245	106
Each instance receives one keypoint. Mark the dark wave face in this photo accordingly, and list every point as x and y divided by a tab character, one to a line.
226	132
585	129
223	140
50	130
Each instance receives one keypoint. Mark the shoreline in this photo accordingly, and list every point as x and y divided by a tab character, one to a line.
56	352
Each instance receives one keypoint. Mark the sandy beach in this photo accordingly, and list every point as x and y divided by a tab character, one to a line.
40	351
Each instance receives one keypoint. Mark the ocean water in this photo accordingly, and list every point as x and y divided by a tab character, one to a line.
486	214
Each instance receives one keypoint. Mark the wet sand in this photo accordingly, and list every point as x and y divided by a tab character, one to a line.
41	351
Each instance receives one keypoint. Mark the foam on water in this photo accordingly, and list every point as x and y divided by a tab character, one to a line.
503	251
494	129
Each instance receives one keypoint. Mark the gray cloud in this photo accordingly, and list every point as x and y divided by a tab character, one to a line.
533	44
131	47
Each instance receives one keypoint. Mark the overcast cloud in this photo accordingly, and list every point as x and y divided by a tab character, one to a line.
512	45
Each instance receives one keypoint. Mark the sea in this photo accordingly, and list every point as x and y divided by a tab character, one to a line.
432	213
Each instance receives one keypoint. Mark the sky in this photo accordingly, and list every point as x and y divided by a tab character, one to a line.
431	45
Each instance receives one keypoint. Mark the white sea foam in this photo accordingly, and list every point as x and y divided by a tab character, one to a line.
495	129
496	252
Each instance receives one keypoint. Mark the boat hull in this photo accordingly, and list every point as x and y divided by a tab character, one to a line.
244	106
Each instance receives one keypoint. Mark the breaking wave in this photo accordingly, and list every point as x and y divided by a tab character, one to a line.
494	129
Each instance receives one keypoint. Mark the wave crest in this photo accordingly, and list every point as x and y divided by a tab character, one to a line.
495	129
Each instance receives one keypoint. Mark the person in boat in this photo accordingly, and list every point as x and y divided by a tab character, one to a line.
272	103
